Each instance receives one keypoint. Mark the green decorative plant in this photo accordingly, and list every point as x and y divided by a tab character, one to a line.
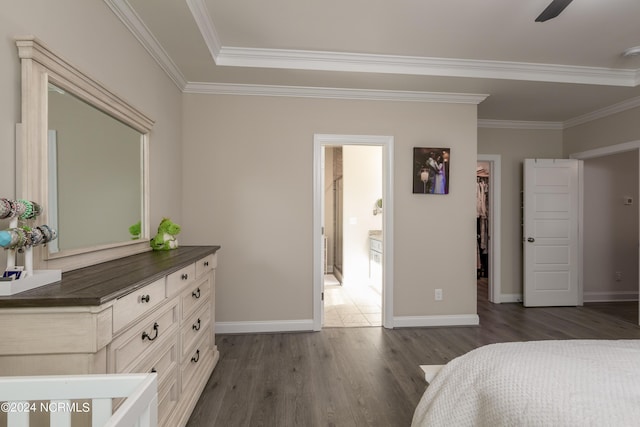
378	207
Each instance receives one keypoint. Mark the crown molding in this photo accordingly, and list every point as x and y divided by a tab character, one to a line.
519	124
604	112
205	25
334	61
134	24
413	65
333	93
356	62
585	118
404	65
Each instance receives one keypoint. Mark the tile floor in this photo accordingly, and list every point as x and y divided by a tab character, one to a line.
350	306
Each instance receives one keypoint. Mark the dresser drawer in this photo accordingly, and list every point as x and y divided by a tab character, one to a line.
150	333
168	396
193	328
206	264
195	359
130	307
195	295
177	281
164	361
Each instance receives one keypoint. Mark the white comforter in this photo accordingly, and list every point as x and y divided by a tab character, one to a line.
541	383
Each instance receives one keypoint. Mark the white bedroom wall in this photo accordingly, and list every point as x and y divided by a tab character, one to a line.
248	187
603	132
611	227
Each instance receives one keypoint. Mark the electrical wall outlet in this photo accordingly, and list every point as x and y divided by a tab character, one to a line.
618	276
438	295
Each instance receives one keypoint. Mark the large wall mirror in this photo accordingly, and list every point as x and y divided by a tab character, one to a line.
83	155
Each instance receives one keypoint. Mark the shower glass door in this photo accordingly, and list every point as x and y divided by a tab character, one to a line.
337	250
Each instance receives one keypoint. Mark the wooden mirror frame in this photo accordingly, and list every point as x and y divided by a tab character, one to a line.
40	66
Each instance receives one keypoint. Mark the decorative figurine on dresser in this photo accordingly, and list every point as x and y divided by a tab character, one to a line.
21	238
166	238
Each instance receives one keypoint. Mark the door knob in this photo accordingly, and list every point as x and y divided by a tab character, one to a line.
531	240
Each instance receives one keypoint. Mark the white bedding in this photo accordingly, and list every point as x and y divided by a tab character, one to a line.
541	383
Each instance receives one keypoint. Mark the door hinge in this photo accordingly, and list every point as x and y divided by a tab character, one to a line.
322	296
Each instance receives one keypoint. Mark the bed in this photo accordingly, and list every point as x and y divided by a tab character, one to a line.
538	383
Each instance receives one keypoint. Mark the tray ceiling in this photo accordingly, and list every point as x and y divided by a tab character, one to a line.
560	71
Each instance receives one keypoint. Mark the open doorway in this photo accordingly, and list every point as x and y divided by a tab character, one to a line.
488	209
483	172
352	236
353	204
608	226
610	230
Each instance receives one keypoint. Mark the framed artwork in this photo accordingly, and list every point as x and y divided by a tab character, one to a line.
431	170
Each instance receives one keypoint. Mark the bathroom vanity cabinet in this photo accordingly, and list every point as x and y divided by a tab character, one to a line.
375	260
150	312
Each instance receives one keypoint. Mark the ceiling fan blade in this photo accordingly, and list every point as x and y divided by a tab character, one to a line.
553	10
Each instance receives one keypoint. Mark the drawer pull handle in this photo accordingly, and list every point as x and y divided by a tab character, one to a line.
206	263
196	293
195	358
145	298
147	336
196	326
153	370
185	276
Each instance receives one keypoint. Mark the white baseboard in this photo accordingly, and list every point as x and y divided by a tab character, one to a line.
269	326
587	297
610	296
438	320
307	324
506	298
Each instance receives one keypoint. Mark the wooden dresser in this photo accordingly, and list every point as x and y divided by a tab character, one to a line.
151	312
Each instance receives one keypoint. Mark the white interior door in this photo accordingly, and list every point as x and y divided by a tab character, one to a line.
550	233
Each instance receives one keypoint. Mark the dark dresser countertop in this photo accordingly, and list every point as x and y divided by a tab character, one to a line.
98	284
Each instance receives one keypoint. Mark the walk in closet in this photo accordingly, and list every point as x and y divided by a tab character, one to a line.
482	219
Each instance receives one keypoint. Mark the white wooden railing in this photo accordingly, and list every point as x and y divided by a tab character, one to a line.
61	396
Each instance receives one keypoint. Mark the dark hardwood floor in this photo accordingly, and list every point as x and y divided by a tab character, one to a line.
371	376
627	311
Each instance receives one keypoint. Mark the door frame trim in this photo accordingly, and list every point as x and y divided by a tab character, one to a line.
495	209
387	144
